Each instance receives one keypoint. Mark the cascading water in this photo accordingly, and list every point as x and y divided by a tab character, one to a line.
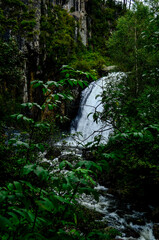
125	221
89	105
132	224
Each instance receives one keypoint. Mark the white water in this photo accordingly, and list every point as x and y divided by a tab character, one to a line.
121	217
123	220
90	104
115	216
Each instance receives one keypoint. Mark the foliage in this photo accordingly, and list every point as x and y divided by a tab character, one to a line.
47	205
17	18
57	38
103	16
139	53
38	202
75	77
130	158
10	77
90	61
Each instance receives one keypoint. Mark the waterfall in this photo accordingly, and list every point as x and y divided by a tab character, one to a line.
132	224
90	104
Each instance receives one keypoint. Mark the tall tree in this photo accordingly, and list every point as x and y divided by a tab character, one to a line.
127	43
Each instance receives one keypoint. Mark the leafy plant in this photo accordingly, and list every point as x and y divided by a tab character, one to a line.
40	202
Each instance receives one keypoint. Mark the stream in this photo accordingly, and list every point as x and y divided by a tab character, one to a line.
133	224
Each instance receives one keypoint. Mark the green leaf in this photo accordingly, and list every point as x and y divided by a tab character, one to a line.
86	83
41	172
19	116
28	184
74	81
75	218
69	97
23	213
20	143
14	219
88	165
62	199
4	222
18	186
34	81
42	125
64	163
10	186
40	146
29	105
50	106
37	84
28	168
44	90
46	204
67	75
70	82
30	120
61	95
14	115
62	82
3	195
89	114
37	105
52	83
80	83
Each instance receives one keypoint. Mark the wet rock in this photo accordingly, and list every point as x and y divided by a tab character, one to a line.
53	153
45	164
68	157
156	230
87	154
112	232
135	221
109	68
90	219
155	214
132	233
118	238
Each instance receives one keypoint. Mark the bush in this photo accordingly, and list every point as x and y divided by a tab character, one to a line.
92	62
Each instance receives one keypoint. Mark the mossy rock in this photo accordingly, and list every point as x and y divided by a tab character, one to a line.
89	219
53	152
156	230
69	157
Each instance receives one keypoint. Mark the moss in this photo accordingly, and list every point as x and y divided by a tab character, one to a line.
57	35
103	18
16	16
90	61
90	224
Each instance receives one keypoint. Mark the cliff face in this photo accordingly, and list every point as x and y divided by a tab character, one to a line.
46	35
78	10
32	49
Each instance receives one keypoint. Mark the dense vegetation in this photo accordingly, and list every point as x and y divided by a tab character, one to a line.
131	105
39	200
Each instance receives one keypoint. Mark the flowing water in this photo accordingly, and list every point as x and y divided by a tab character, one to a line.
83	127
132	224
